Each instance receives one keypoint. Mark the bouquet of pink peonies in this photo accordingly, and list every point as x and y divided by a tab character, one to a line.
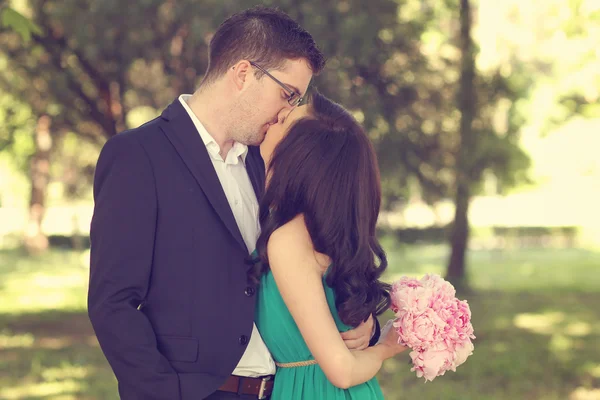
433	323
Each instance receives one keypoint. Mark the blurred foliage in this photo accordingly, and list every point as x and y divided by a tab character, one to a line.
393	62
15	21
16	125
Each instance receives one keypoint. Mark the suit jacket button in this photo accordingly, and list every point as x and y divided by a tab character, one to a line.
249	291
243	340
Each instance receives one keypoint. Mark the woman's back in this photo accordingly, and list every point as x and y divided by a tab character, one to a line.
284	340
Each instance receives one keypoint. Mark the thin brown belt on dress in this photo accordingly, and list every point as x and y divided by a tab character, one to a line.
296	364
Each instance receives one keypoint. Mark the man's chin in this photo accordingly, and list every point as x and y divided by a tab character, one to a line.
258	139
254	141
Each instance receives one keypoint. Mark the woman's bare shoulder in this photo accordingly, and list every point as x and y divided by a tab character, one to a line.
292	242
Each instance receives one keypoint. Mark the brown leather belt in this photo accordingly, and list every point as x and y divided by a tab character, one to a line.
259	387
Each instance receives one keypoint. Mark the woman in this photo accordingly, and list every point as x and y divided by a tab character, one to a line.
318	273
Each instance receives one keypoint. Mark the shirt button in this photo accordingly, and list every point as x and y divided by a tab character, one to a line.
249	291
243	340
237	202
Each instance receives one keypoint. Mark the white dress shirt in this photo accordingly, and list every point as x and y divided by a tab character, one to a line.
256	360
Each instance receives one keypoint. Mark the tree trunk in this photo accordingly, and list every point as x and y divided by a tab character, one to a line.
467	104
459	238
35	240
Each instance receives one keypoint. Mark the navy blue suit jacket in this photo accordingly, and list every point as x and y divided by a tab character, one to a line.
168	295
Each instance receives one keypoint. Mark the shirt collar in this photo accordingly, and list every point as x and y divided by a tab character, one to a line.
238	150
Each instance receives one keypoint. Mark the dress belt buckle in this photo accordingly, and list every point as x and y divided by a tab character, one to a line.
263	387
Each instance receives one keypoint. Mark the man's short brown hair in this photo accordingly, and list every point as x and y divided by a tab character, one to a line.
266	36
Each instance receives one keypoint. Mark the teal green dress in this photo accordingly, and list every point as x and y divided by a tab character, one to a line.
282	336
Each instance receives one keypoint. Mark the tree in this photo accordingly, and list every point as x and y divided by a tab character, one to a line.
390	63
467	105
34	240
377	68
487	138
86	78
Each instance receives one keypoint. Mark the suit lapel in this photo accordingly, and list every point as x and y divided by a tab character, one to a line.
182	133
256	171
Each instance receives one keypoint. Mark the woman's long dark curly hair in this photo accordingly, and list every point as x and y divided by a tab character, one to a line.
326	169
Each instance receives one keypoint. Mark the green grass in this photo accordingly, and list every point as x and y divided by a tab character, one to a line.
47	346
536	316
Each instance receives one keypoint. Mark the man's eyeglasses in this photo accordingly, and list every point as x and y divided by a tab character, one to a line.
294	98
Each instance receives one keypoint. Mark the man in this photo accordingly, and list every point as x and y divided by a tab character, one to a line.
175	218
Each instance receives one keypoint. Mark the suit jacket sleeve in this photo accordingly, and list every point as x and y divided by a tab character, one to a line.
376	333
122	240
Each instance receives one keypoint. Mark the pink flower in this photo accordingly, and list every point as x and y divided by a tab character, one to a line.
443	287
408	282
404	296
422	330
433	323
432	362
410	298
463	351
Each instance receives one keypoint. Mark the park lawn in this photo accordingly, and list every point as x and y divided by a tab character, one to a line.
535	314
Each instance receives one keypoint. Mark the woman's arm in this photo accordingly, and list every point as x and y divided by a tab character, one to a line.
299	279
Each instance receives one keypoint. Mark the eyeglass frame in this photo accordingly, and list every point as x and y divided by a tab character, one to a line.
292	100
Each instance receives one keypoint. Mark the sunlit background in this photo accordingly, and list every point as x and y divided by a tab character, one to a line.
516	138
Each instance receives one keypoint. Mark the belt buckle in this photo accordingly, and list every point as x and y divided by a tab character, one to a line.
263	387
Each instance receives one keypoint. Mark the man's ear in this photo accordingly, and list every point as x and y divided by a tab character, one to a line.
240	73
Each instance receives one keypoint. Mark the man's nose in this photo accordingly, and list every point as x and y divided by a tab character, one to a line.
283	113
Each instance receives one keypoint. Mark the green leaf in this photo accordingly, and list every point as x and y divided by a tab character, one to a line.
22	25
